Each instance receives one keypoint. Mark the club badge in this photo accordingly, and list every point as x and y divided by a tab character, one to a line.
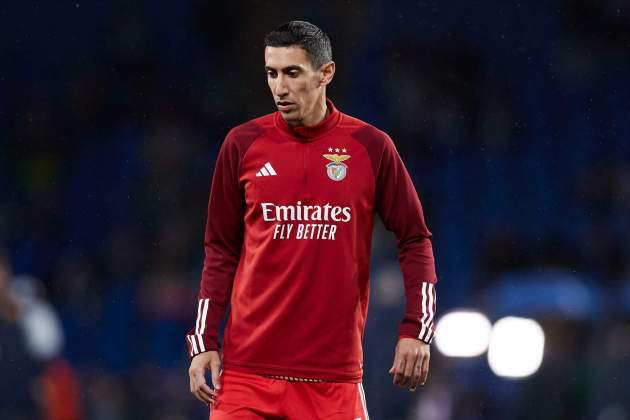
336	169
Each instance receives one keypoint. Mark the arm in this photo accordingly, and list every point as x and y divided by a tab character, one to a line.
222	243
400	209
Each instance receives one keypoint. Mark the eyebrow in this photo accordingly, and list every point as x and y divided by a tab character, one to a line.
285	69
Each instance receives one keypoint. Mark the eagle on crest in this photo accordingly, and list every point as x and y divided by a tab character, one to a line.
336	158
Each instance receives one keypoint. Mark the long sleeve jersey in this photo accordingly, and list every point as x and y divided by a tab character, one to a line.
287	244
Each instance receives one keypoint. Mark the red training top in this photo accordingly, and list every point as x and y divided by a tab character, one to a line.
288	241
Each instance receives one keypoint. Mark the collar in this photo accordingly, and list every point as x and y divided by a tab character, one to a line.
308	133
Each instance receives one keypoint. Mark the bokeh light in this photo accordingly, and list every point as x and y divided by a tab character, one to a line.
463	333
516	347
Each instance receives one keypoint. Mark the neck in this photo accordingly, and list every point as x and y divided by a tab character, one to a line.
320	112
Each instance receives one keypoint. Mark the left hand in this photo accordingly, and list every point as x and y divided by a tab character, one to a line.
411	363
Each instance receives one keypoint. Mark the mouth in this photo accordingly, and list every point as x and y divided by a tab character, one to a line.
285	106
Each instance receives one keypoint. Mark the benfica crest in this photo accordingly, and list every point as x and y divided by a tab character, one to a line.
336	170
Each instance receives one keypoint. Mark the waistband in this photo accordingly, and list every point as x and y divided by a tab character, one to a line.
293	378
243	374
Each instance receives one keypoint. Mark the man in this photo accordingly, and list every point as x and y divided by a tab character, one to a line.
287	244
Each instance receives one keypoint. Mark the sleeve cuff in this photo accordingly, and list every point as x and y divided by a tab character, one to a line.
419	331
200	343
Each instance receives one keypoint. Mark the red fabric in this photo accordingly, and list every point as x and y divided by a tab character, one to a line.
299	297
249	396
61	392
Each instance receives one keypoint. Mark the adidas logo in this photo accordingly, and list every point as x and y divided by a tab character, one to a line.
266	170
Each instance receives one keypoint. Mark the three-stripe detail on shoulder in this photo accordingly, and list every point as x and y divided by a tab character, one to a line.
429	298
196	340
266	170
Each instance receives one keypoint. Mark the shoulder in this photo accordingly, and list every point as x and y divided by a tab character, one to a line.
374	141
250	130
242	136
365	133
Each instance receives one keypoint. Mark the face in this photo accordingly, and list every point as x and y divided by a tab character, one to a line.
298	89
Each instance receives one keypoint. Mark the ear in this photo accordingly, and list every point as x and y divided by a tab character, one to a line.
327	72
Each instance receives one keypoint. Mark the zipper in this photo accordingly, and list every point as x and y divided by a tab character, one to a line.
304	169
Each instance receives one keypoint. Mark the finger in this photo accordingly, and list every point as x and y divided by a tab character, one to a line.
409	367
215	370
415	378
425	369
201	397
193	384
392	370
194	389
198	379
199	387
400	372
205	388
207	396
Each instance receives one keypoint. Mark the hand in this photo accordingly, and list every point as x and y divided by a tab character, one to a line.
411	363
198	387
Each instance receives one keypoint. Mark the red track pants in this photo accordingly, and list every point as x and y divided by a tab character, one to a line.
250	396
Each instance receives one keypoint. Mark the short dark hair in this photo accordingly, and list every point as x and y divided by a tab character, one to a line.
306	35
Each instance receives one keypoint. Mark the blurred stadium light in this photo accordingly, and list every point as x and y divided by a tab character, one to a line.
516	347
463	333
40	322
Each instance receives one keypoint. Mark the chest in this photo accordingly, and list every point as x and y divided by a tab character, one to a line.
336	171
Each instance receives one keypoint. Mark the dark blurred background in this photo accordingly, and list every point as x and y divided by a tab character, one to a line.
512	118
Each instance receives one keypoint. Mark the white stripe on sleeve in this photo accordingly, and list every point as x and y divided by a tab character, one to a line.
206	303
194	344
191	345
433	309
424	310
430	318
200	325
199	306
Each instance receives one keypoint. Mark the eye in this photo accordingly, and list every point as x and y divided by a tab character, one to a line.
293	73
272	74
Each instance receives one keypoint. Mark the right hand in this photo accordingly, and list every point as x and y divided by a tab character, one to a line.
411	363
208	360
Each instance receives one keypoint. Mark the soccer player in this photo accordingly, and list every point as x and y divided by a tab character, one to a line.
287	244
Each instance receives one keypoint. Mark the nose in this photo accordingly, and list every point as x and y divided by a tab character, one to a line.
281	89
